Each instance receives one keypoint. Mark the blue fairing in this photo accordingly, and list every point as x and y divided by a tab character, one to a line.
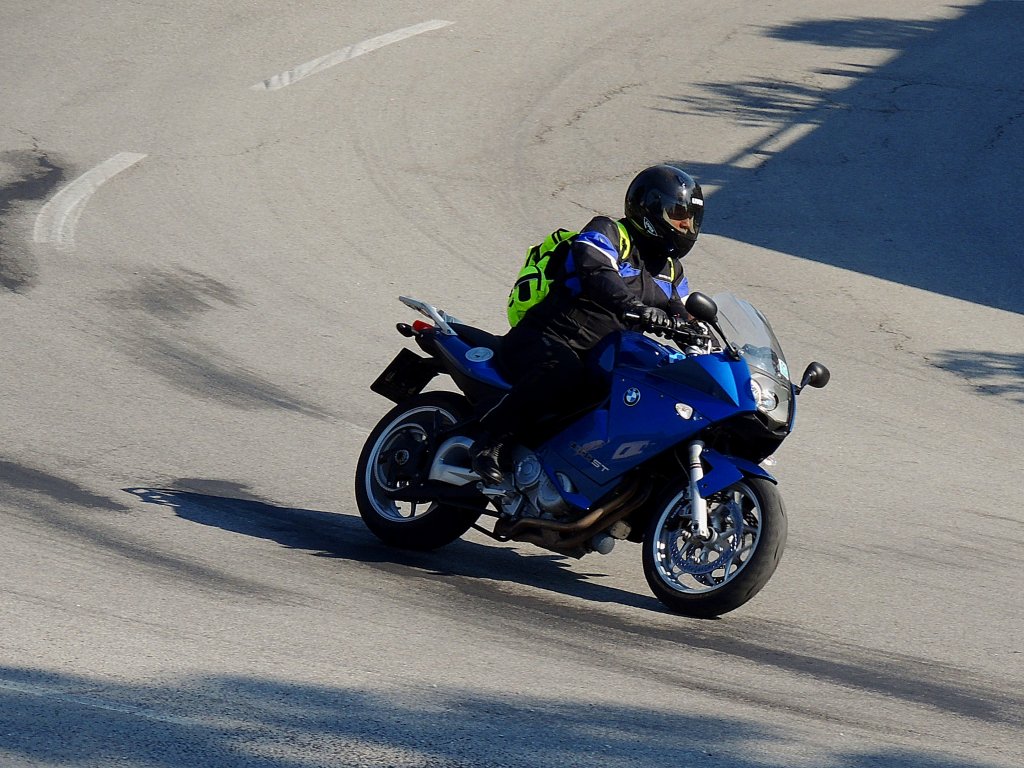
723	471
659	400
647	380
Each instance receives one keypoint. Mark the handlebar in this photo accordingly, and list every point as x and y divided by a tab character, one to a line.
683	331
680	325
631	316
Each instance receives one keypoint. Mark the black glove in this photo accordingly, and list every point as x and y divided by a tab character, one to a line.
654	320
644	318
680	325
686	331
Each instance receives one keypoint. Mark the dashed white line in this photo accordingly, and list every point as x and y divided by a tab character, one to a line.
56	222
292	76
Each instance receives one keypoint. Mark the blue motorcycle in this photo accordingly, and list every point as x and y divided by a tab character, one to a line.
669	452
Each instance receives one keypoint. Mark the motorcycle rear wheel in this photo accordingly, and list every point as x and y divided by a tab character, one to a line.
706	579
398	453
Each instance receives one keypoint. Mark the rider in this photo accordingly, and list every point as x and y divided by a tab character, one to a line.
543	355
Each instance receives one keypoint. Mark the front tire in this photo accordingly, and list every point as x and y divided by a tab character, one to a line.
398	453
707	579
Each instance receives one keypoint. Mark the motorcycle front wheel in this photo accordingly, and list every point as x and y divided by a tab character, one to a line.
397	454
706	578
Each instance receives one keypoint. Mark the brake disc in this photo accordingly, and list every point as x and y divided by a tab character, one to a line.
692	556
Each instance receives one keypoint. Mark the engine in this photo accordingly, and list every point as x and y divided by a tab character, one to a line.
533	482
526	492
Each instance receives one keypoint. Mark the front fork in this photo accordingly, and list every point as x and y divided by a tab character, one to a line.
698	505
722	472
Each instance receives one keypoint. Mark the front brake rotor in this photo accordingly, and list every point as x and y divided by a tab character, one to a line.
692	556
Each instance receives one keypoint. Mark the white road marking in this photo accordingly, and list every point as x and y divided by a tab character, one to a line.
345	54
56	222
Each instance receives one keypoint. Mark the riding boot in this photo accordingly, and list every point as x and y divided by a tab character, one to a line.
484	458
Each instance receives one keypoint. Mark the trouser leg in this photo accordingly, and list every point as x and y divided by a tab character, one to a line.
545	372
546	375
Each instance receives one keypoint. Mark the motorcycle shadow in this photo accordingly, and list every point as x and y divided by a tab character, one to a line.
229	506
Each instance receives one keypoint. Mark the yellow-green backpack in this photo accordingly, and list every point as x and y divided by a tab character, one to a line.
546	266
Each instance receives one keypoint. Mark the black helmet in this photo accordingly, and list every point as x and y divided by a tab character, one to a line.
665	204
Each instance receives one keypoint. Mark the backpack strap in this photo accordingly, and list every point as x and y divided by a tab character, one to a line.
625	241
626	248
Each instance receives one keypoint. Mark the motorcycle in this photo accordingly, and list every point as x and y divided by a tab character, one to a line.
668	451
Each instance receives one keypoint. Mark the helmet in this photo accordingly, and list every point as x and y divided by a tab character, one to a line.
665	204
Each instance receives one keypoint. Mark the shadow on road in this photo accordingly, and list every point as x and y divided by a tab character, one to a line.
991	373
472	568
155	318
256	722
17	478
343	536
36	175
909	171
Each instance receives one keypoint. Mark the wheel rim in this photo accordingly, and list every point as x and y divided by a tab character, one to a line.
398	456
691	566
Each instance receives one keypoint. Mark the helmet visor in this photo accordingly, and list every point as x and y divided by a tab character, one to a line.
686	218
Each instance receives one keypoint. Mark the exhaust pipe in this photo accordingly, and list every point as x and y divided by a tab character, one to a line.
569	537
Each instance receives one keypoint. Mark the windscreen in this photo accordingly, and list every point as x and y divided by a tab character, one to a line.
753	336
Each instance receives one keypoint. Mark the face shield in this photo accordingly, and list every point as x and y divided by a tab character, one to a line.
684	219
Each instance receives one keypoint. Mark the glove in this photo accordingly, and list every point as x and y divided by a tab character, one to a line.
679	325
686	331
645	318
654	320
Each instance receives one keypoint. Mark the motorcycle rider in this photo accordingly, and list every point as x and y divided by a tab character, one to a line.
611	271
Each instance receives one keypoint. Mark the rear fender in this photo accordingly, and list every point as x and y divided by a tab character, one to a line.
722	471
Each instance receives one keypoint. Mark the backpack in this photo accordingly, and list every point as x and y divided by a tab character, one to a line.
546	267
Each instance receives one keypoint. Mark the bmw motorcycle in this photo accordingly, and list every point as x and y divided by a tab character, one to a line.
668	451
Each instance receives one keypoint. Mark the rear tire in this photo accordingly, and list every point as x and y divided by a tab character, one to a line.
704	580
397	453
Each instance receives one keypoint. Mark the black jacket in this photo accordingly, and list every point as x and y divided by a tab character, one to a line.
608	286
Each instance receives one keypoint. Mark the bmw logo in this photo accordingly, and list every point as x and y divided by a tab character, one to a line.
632	396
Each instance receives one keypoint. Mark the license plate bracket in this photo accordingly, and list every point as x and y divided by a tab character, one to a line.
405	376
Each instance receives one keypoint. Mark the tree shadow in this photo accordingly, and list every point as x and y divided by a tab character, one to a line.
910	174
18	478
472	568
229	506
155	328
991	373
36	175
66	509
257	722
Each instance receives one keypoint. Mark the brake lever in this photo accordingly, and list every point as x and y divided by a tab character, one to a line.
690	333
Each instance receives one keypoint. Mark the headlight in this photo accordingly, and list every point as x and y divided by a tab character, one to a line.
765	397
771	398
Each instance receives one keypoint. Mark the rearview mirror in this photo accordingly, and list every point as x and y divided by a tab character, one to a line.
702	307
816	375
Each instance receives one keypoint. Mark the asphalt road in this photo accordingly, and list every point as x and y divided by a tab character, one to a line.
198	280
